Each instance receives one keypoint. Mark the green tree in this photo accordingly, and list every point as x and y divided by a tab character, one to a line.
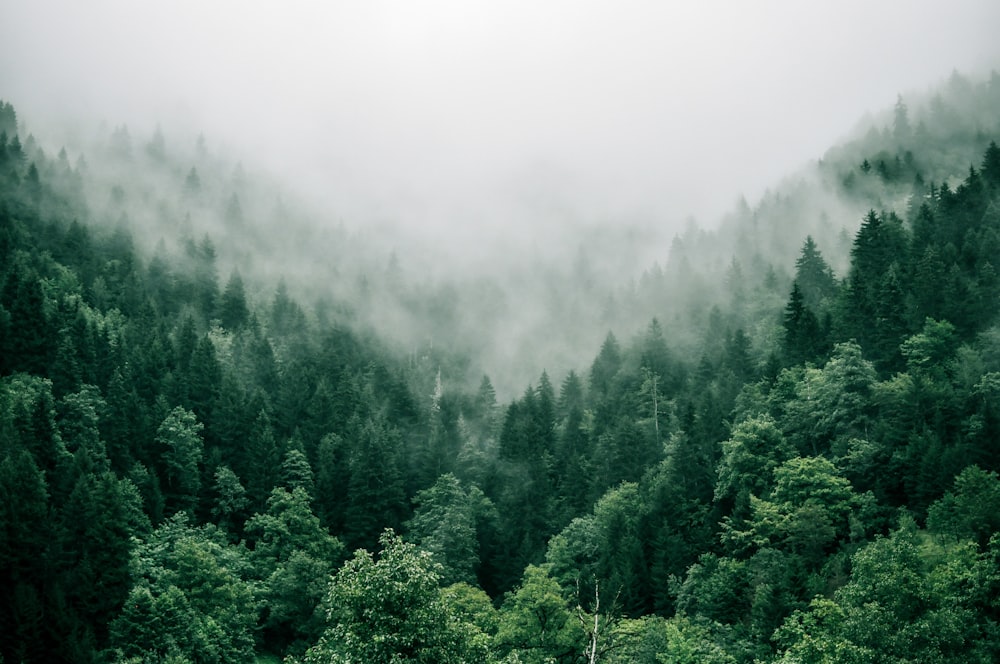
605	366
814	276
677	640
262	459
830	406
230	500
391	611
233	311
31	340
807	512
296	472
605	548
375	492
754	450
180	437
971	510
908	597
446	521
293	555
536	622
874	287
802	340
24	572
716	588
96	525
189	601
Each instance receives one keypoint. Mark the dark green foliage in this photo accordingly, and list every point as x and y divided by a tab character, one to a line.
803	340
874	296
605	366
233	311
375	489
30	341
814	277
23	544
446	521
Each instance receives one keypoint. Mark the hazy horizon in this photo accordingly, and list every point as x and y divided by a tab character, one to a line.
472	116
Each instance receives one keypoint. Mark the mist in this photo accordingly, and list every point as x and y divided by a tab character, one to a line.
450	115
473	139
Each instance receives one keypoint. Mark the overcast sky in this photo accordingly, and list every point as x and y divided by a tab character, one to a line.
463	111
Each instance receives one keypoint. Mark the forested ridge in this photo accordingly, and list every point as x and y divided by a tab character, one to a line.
793	460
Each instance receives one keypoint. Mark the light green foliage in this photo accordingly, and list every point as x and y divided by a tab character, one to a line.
910	599
971	510
180	435
472	606
296	471
572	554
28	418
536	621
293	556
676	640
230	498
605	548
813	637
189	601
446	522
754	449
831	405
716	588
79	416
391	610
789	536
806	512
926	353
290	525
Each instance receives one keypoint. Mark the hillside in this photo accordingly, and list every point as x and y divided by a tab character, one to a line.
230	429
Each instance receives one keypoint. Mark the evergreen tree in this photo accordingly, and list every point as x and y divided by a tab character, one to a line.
814	276
375	494
605	366
802	338
233	311
180	437
261	461
446	521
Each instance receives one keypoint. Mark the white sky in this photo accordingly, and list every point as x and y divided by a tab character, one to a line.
447	112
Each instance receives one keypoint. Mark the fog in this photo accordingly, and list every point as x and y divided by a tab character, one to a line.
563	132
447	114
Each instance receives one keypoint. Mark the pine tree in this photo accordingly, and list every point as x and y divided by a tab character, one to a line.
180	437
233	311
814	276
801	340
376	498
605	366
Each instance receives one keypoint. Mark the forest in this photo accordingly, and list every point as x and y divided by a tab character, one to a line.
783	446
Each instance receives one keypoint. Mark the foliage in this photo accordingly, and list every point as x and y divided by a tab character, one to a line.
391	610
